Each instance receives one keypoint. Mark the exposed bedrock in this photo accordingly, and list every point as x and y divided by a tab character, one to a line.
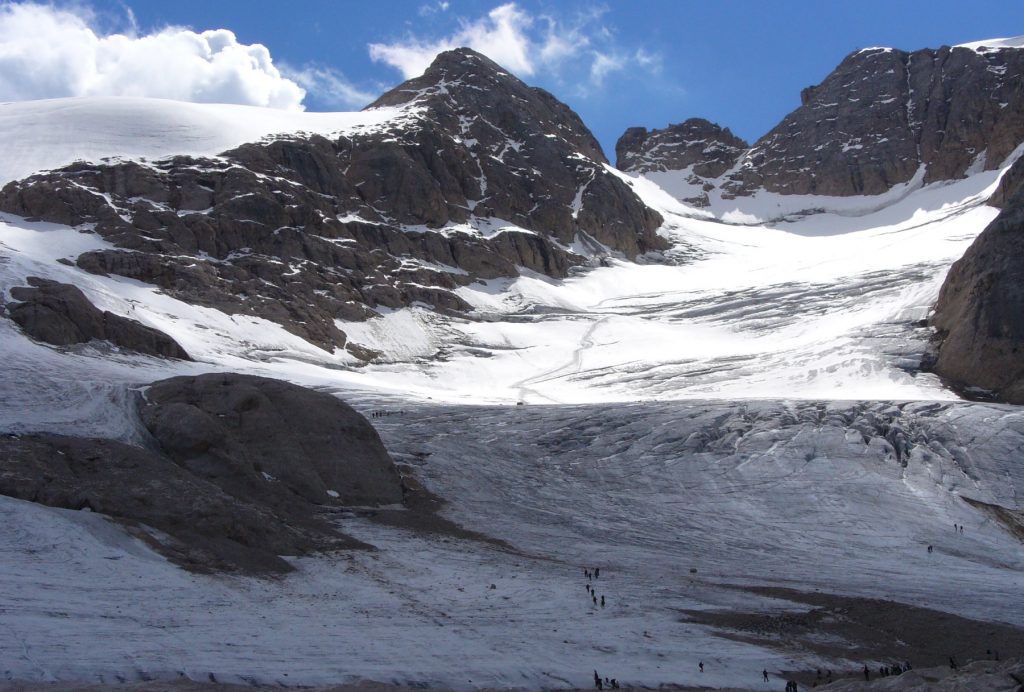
61	315
240	470
877	119
979	316
478	176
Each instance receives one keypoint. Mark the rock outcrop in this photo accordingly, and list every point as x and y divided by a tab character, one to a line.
240	471
979	316
265	438
478	176
699	149
204	527
1010	184
61	315
878	119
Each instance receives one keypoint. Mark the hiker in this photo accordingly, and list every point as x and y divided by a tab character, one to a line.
597	572
595	600
602	601
929	549
615	684
952	663
867	673
961	529
701	666
765	674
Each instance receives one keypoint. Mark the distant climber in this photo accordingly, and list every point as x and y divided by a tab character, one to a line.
597	572
602	601
952	663
701	666
930	549
867	673
765	674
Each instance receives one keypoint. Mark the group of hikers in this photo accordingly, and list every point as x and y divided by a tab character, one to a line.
894	669
381	414
957	528
590	589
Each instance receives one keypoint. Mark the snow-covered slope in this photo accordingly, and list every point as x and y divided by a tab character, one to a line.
41	135
718	409
994	43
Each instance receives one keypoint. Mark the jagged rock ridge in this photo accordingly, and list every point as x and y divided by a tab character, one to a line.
479	176
699	148
880	117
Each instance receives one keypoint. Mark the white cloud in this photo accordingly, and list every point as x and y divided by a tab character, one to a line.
429	9
330	86
47	52
604	64
526	44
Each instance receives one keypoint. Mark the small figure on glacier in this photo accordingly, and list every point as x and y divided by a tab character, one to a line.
929	549
765	674
602	601
701	666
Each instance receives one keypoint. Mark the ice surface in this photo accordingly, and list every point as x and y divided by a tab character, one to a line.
46	134
748	493
726	408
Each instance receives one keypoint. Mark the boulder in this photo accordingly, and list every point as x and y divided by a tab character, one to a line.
205	528
248	433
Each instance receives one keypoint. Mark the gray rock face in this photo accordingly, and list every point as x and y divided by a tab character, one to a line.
240	471
306	230
208	527
1010	184
980	312
60	314
254	433
700	147
880	116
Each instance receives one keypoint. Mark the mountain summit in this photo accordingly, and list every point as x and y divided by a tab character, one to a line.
473	175
883	117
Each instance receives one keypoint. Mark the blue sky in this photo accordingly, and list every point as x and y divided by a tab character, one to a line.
741	64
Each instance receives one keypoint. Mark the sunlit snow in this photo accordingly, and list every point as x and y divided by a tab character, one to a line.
722	408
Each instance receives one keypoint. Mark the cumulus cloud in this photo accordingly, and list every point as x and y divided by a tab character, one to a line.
524	43
47	52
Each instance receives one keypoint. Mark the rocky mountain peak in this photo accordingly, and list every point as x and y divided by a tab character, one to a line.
479	176
882	117
462	85
709	147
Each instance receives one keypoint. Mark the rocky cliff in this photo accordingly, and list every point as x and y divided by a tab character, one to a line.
979	316
698	148
880	117
478	176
